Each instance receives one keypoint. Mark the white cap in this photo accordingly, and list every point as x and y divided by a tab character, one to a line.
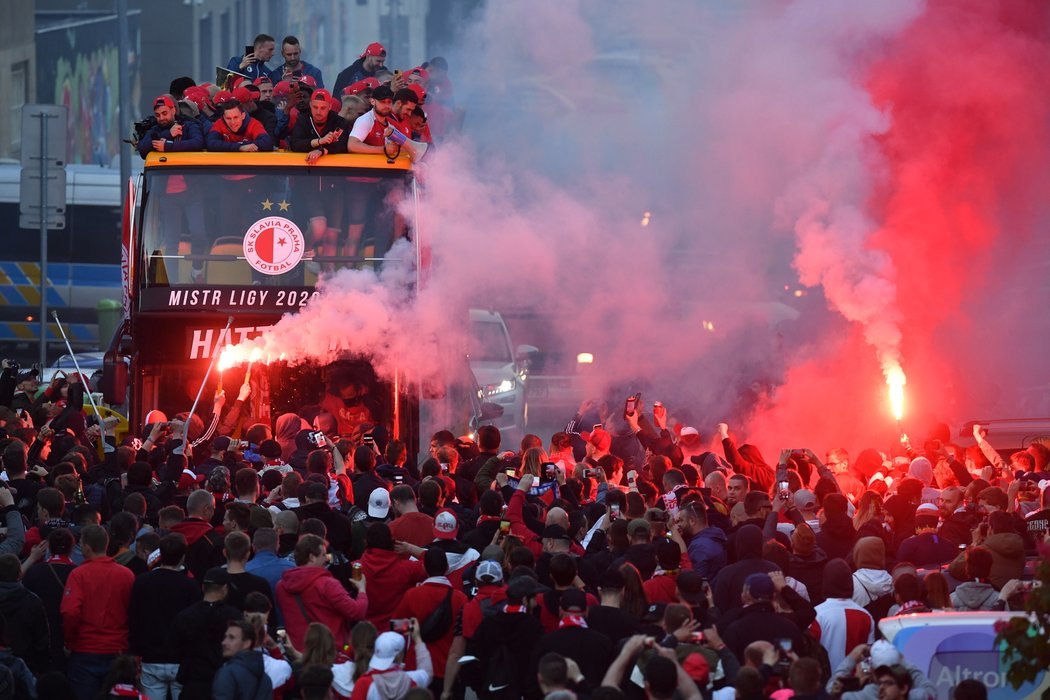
379	503
884	654
388	646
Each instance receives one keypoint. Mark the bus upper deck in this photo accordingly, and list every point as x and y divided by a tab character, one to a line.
260	220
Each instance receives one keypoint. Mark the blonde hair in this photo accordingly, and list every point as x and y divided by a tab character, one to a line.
318	646
363	641
531	461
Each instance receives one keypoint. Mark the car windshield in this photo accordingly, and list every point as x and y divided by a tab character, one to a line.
266	226
488	342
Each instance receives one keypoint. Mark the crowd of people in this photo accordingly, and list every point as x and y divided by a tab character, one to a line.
633	559
372	110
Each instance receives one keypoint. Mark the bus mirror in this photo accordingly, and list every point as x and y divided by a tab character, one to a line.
491	411
114	384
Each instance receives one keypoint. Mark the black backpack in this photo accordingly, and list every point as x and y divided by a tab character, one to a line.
437	623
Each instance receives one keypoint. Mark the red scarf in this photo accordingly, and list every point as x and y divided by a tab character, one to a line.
572	620
515	609
122	690
59	559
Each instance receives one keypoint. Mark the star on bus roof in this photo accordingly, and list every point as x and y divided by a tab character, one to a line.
284	205
267	204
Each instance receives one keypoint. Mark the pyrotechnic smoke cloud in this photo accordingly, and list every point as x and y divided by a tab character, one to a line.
834	137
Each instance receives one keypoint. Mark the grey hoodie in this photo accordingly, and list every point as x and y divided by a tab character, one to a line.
975	595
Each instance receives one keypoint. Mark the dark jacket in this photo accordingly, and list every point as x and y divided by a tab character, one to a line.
729	582
243	678
191	139
156	599
27	627
364	484
836	537
305	131
591	650
350	75
520	633
266	113
196	636
642	556
707	551
48	581
926	549
204	546
758	621
338	525
809	571
958	527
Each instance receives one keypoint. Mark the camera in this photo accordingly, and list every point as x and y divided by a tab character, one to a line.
550	470
696	637
785	490
143	127
401	625
318	439
504	526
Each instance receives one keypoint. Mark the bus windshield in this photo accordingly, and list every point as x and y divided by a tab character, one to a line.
270	226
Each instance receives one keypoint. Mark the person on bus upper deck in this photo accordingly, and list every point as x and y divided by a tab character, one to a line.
370	63
172	132
237	131
293	66
253	64
248	96
369	132
323	132
405	100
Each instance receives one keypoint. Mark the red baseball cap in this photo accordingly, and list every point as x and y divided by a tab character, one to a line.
336	104
600	438
418	89
164	101
374	49
243	95
422	73
361	85
237	81
282	88
221	97
308	80
197	97
321	95
262	79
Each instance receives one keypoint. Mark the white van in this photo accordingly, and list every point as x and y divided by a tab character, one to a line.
952	646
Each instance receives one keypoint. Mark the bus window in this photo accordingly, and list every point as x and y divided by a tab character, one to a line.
255	226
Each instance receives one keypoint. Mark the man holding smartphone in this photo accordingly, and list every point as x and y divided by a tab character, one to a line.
253	62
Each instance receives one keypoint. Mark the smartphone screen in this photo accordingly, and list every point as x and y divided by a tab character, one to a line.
249	50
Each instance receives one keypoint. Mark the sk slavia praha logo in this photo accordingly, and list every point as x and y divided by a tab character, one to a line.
273	245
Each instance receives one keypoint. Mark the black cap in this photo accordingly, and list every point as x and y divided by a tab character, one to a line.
522	587
691	587
654	613
217	576
27	375
383	92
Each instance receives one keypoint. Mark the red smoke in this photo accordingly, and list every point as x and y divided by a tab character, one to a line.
963	178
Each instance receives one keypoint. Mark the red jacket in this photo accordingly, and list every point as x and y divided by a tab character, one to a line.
325	601
222	138
388	577
419	603
474	613
95	607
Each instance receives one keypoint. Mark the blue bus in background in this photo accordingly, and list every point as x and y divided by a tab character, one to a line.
83	264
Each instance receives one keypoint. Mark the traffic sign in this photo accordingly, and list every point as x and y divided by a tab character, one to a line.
54	143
